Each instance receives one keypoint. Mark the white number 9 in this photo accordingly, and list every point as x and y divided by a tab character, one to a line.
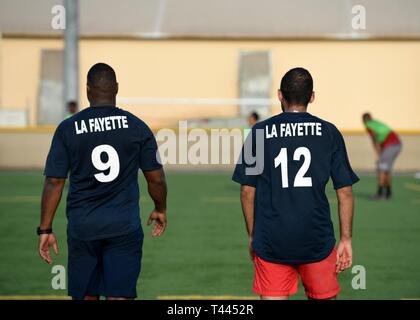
113	163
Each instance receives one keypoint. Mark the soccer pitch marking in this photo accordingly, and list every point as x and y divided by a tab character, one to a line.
412	186
200	297
34	297
175	297
32	199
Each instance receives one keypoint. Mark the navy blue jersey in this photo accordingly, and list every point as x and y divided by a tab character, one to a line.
103	148
292	213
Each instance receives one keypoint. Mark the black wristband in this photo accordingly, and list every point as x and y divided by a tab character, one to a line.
40	231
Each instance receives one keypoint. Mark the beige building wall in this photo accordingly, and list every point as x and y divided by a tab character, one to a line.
20	69
350	76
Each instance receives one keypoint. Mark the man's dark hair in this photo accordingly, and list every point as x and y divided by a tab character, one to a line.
297	86
255	115
101	77
366	117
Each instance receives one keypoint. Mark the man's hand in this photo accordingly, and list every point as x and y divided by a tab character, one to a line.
344	255
250	248
345	210
51	195
45	242
160	222
156	185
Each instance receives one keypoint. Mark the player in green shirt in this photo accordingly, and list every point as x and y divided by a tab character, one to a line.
387	146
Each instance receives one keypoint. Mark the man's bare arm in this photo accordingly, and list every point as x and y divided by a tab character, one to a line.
51	196
345	211
247	201
156	185
378	149
376	145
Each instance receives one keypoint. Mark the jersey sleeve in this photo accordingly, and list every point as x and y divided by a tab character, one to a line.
149	154
58	163
243	173
341	172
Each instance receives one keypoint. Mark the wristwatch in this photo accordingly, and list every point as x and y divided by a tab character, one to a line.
40	231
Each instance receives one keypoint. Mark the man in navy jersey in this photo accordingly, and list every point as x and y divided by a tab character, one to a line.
103	147
283	197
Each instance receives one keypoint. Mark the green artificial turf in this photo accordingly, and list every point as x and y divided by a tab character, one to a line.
204	251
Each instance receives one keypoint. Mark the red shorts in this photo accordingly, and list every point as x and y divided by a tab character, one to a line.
318	278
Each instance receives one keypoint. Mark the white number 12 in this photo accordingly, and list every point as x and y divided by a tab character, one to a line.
300	179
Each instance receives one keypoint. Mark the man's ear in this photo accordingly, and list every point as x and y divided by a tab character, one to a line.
87	88
116	88
312	97
280	95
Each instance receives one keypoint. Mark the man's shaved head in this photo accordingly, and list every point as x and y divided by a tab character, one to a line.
101	76
102	86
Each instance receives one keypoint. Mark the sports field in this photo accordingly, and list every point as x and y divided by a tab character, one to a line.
204	251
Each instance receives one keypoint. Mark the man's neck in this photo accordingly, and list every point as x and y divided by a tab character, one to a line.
296	109
103	103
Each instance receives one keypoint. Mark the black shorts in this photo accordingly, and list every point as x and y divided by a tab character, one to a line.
106	267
